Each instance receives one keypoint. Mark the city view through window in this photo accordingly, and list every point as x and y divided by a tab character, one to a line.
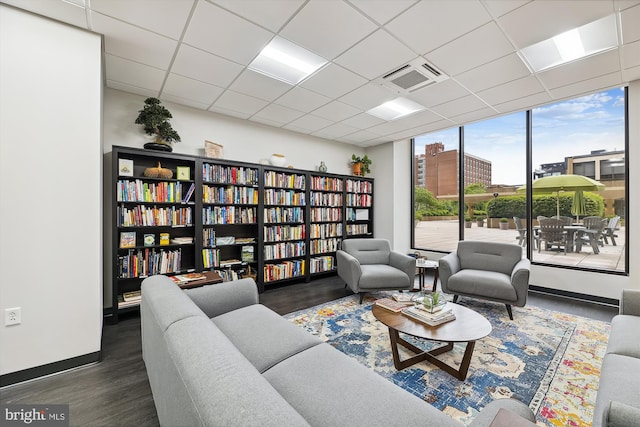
583	136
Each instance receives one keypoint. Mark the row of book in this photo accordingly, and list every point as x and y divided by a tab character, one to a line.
274	196
230	195
280	233
325	214
323	231
284	180
323	246
228	215
144	216
280	214
326	183
284	270
210	258
359	199
356	229
284	250
129	299
147	262
357	214
325	199
321	264
142	191
221	174
357	186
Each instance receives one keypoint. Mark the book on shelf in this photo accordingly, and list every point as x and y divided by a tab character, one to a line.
164	239
225	240
132	296
392	305
230	262
128	239
182	240
149	239
435	319
247	253
124	304
186	278
189	193
245	240
401	297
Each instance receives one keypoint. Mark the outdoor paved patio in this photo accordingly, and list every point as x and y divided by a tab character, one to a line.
443	235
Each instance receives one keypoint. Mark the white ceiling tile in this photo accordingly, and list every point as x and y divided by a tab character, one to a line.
474	116
501	70
432	127
584	69
587	86
360	60
630	54
184	101
382	11
195	90
362	136
500	7
308	123
302	99
430	24
516	89
131	89
368	96
260	86
231	113
476	48
459	106
59	10
168	17
439	93
204	66
278	114
129	42
335	131
225	34
265	121
363	121
630	19
133	73
540	20
336	111
240	103
333	81
521	104
631	74
327	28
271	14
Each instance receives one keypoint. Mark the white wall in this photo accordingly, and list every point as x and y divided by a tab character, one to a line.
50	209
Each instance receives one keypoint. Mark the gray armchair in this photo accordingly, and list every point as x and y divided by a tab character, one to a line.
487	270
370	265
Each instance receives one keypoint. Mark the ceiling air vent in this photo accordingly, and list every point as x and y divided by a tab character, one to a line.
411	77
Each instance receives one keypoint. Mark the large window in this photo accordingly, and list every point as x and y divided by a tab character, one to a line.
583	136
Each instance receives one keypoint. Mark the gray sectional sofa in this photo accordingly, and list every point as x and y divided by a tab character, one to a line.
215	356
618	401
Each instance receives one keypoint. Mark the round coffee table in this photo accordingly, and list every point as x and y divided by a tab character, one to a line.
468	327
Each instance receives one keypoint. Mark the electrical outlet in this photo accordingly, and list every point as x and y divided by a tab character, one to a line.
12	316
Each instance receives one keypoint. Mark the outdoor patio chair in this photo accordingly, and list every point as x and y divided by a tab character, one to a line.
592	234
566	220
552	232
522	231
609	231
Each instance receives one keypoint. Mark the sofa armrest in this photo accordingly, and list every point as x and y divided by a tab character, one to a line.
448	265
403	262
520	280
221	298
348	267
516	408
630	302
617	414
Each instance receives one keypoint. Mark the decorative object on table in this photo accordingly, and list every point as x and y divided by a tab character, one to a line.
125	167
155	119
360	165
322	167
432	302
149	239
183	173
158	172
128	239
278	160
503	223
213	150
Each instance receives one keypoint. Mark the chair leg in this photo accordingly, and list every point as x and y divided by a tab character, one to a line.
509	311
455	298
361	296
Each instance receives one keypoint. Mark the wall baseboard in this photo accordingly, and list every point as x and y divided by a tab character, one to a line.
575	295
49	369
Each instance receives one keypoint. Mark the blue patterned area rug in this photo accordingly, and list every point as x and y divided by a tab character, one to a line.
545	359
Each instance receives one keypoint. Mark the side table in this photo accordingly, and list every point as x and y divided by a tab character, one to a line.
423	265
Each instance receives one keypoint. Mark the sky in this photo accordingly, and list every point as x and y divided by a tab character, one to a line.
567	128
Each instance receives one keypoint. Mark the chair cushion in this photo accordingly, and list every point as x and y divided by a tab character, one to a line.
624	336
380	276
480	283
501	257
368	251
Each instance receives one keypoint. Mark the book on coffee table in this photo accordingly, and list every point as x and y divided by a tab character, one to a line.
392	305
427	318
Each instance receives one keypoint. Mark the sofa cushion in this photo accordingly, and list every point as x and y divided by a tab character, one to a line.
500	257
480	283
220	382
381	276
619	381
624	336
262	336
621	415
330	389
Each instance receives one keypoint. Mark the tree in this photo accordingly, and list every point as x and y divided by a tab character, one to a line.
155	119
476	188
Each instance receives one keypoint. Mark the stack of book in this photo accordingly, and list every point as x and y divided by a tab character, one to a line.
432	319
392	305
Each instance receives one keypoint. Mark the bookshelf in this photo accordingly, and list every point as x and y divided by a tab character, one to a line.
277	225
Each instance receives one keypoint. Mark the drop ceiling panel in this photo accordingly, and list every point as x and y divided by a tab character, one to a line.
586	86
362	121
440	93
515	89
474	116
631	55
523	103
184	101
195	90
260	86
498	8
239	102
302	99
309	123
630	24
337	111
131	89
231	113
593	66
270	14
336	130
134	74
206	67
368	96
59	10
328	28
278	114
461	105
333	81
496	72
382	11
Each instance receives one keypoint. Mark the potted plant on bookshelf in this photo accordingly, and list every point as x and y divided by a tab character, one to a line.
155	119
503	223
360	165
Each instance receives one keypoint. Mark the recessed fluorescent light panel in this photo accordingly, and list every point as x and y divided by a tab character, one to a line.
577	43
395	109
286	61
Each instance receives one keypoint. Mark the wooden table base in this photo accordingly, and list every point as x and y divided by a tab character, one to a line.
421	355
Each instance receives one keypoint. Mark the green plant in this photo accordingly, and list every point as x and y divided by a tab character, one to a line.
503	220
155	119
364	162
467	219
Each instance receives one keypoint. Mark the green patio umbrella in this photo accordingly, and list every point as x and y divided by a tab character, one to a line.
558	183
579	207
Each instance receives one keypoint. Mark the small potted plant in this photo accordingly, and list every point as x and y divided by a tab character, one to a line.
360	165
503	223
155	119
479	221
467	222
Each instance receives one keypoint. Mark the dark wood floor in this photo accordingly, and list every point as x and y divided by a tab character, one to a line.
115	392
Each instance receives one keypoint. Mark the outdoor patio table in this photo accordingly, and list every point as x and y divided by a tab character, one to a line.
571	234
